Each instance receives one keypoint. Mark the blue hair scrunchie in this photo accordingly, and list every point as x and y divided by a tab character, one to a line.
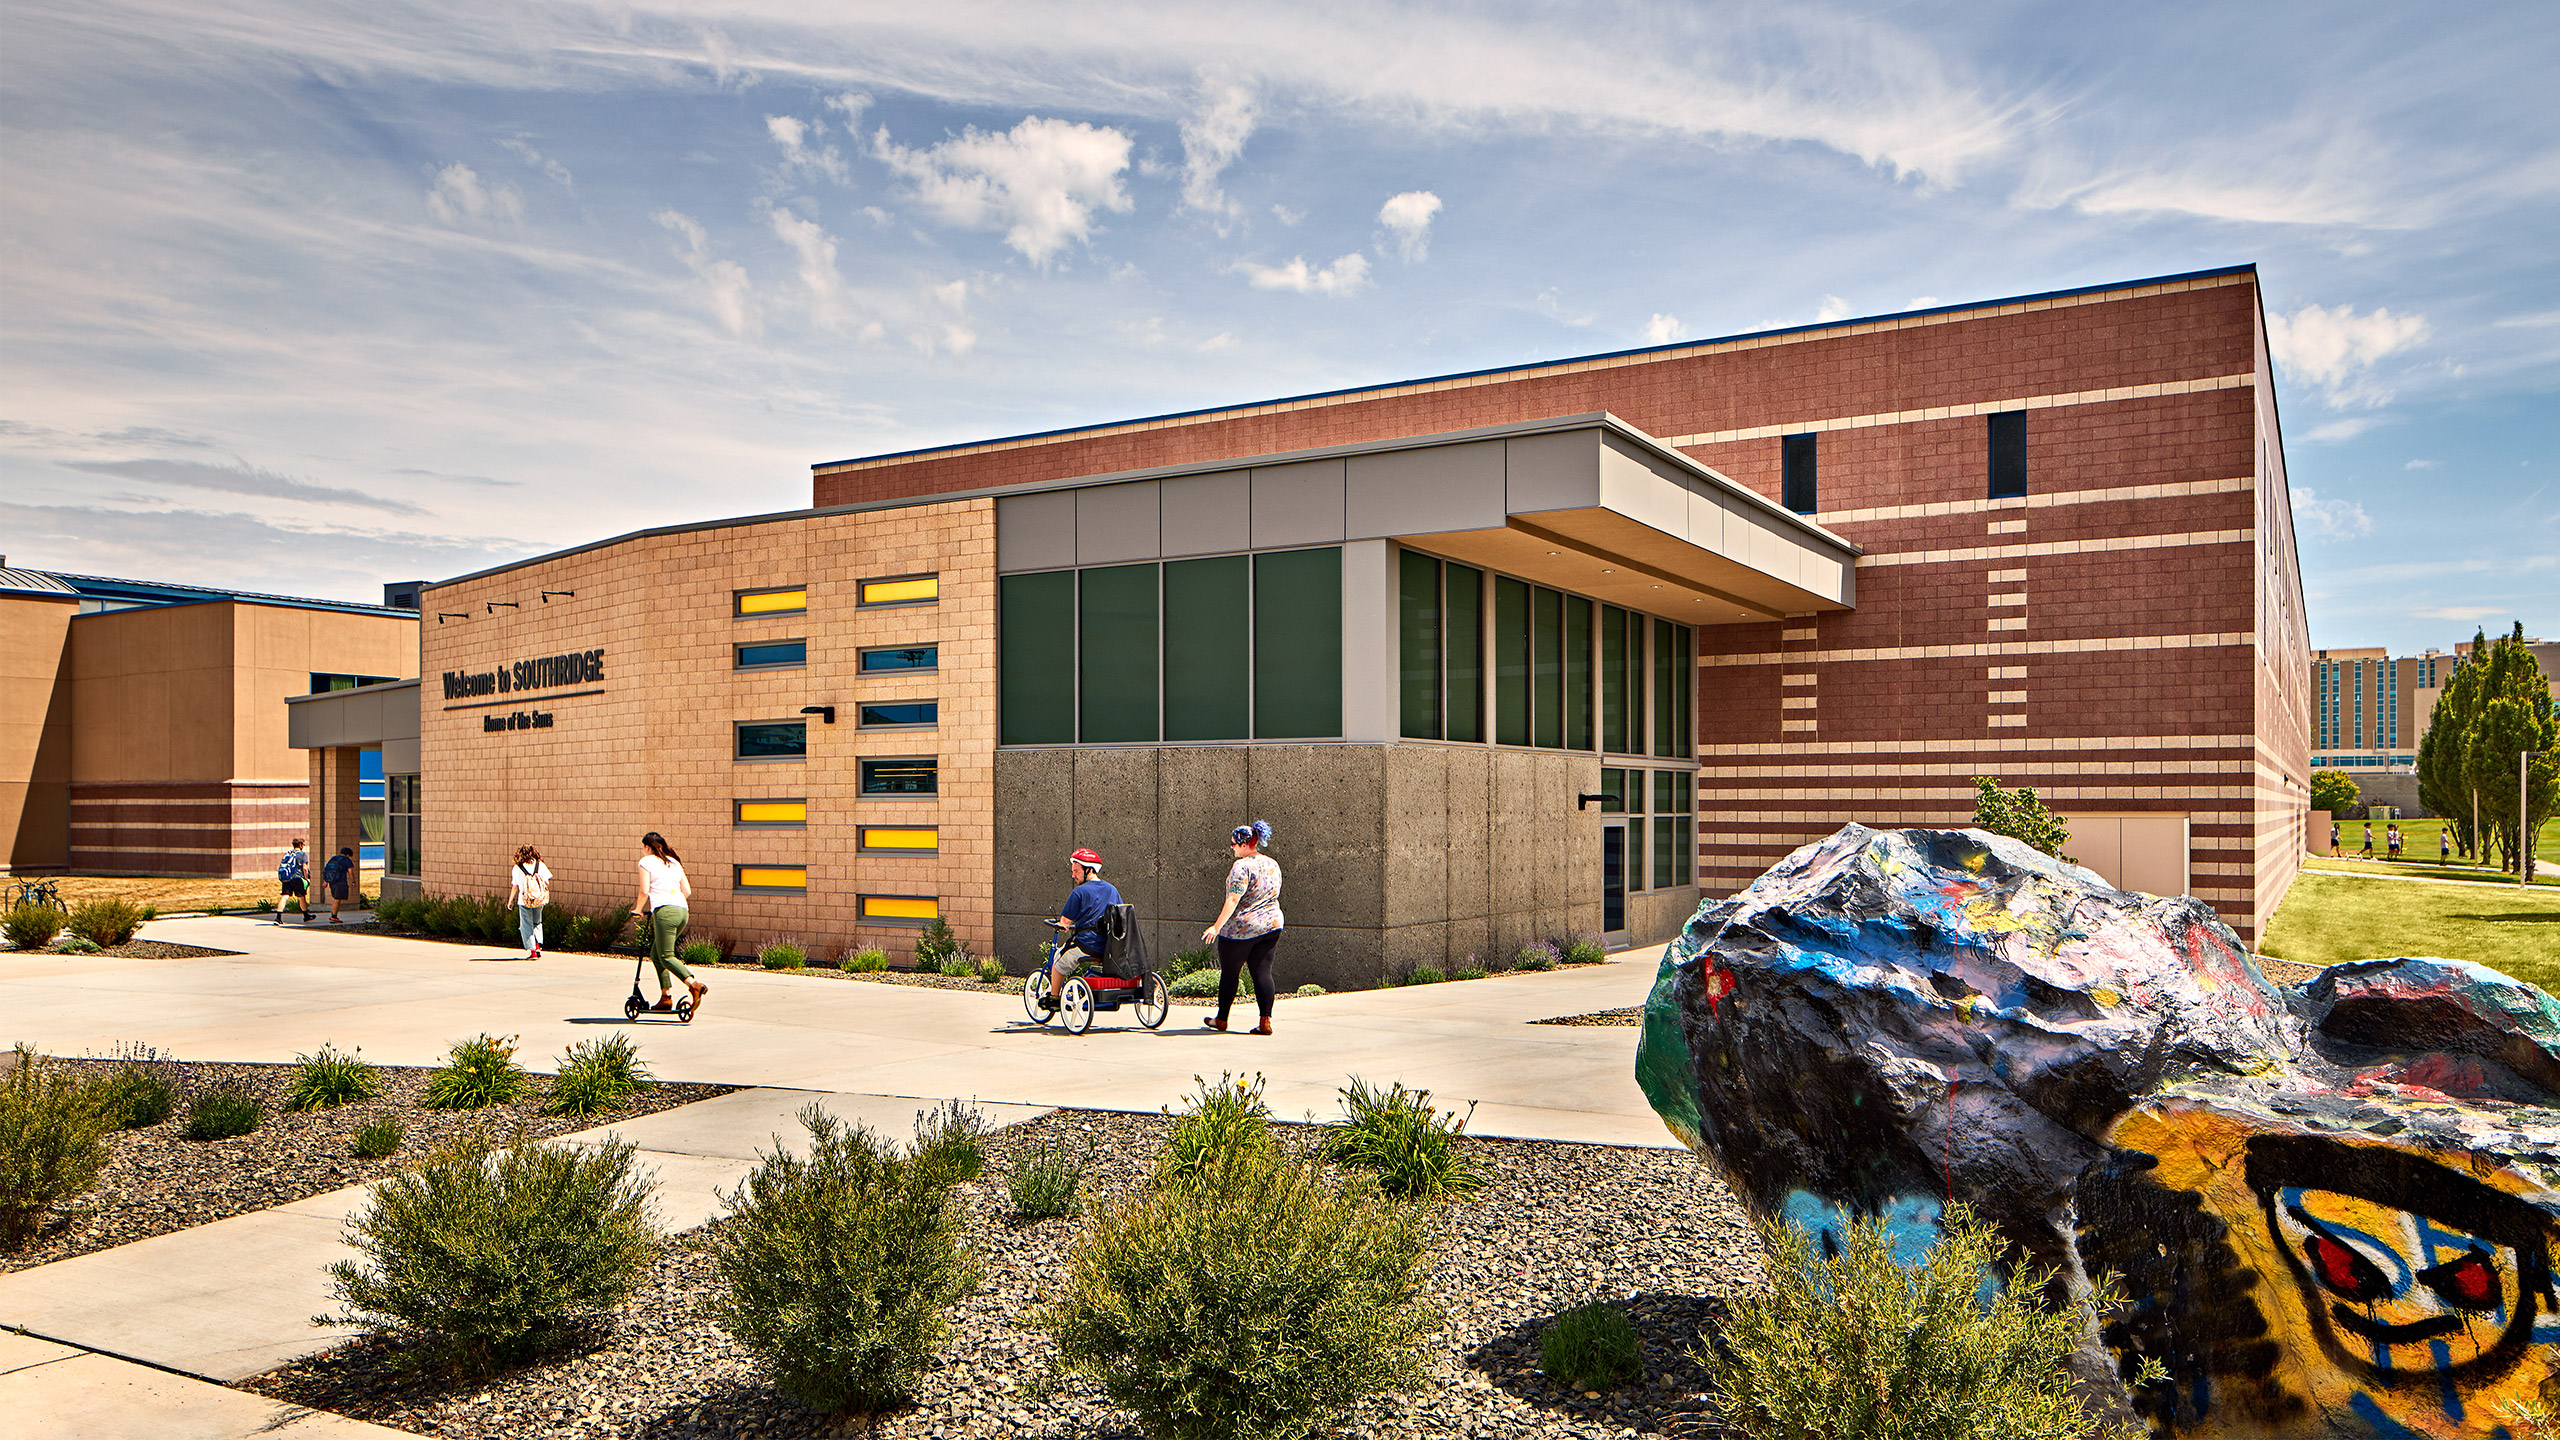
1257	833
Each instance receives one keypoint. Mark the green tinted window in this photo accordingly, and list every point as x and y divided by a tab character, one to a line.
1297	644
1510	661
1666	849
1684	679
1418	645
1207	651
1036	645
1666	730
1686	832
1116	654
1666	792
1635	835
1463	636
1613	680
1546	638
1577	673
1613	783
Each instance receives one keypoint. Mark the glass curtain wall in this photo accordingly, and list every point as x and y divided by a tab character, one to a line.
1569	673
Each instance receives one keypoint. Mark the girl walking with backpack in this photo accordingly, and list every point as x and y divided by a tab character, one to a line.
529	886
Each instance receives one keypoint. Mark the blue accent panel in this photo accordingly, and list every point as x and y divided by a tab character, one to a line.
369	767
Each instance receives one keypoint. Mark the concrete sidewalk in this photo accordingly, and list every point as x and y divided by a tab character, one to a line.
59	1392
405	1001
236	1296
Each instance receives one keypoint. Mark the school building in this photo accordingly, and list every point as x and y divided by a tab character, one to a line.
1502	656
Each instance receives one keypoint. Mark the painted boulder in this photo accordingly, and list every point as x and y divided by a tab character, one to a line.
2334	1208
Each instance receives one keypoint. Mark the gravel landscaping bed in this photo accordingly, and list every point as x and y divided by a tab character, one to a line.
1555	1226
156	1180
1632	1015
140	950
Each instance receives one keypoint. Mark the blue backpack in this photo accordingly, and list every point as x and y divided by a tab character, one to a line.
290	867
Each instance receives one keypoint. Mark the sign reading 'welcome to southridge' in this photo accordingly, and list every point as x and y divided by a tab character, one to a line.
582	668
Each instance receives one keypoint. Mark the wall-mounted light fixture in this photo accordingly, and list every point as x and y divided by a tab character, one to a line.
444	615
547	594
1581	802
826	713
510	604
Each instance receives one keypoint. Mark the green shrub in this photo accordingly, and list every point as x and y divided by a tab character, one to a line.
869	960
2019	815
839	1266
1048	1183
378	1138
699	953
1218	1120
263	907
1195	959
962	966
1199	984
477	1072
1256	1304
136	1093
105	923
397	913
1412	1148
1852	1344
53	1142
488	1258
1583	950
329	1078
990	972
951	1142
1536	955
597	1075
1466	972
1591	1347
940	945
223	1114
31	926
606	928
782	954
1424	975
1311	990
77	945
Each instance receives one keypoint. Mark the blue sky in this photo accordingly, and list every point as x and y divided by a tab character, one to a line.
308	297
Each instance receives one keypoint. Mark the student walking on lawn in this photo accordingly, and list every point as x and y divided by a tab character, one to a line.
663	893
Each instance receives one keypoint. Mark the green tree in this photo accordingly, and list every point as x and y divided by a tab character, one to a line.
2019	815
2515	716
2333	792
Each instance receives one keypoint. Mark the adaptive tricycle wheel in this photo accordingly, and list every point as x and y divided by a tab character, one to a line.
1155	999
1075	1006
1035	996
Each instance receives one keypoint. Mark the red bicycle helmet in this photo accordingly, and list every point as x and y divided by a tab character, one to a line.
1087	858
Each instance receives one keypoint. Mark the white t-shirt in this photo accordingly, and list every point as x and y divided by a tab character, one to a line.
521	879
665	879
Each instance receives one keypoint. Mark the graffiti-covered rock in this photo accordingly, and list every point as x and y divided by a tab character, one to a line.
2334	1209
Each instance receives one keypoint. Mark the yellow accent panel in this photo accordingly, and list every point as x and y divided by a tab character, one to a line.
773	600
773	877
770	812
885	592
898	907
886	839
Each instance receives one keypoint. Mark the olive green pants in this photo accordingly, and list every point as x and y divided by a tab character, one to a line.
665	924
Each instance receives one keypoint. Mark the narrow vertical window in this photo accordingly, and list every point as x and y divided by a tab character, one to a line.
1666	691
1036	638
1116	644
1684	674
1636	709
1208	618
1418	645
1546	666
1635	827
1666	828
2008	454
1796	490
1510	661
1464	645
1613	680
1297	644
1577	673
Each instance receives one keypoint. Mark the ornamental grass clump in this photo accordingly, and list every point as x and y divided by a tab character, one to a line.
1048	1183
1591	1347
1536	955
376	1139
782	953
1584	949
869	960
699	952
484	1256
839	1267
477	1072
951	1142
1396	1135
1195	985
1221	1119
598	1075
106	923
331	1077
1257	1302
138	1092
1850	1345
1425	975
31	926
223	1114
53	1142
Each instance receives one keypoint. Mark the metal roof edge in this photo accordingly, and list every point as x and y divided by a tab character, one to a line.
411	683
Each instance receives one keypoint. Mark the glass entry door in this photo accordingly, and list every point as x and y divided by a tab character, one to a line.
1613	885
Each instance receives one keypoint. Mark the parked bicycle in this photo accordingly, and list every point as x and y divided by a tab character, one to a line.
35	892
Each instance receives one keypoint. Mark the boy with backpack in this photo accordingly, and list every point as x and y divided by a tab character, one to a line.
290	883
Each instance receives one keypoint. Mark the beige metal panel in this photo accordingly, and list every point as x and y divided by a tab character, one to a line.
1551	472
1036	532
1405	492
2144	850
1208	514
400	757
1297	504
1369	639
1116	523
1636	490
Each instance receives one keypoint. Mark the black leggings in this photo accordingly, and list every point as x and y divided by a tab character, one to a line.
1256	953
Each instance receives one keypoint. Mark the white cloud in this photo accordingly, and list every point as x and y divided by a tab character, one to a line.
2347	429
2462	613
1408	217
2330	519
1040	182
1663	329
1223	340
1212	137
2424	465
830	301
850	104
558	172
725	288
2335	349
1287	216
948	335
1920	302
459	197
1345	276
793	135
1833	308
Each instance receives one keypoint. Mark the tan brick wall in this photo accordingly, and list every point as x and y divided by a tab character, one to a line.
653	750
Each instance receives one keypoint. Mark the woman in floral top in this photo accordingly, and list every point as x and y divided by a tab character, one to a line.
1249	927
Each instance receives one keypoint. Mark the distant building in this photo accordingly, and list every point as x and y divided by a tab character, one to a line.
141	729
2371	707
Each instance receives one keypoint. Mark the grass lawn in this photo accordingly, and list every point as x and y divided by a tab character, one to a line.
2331	918
2545	872
2418	843
174	895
